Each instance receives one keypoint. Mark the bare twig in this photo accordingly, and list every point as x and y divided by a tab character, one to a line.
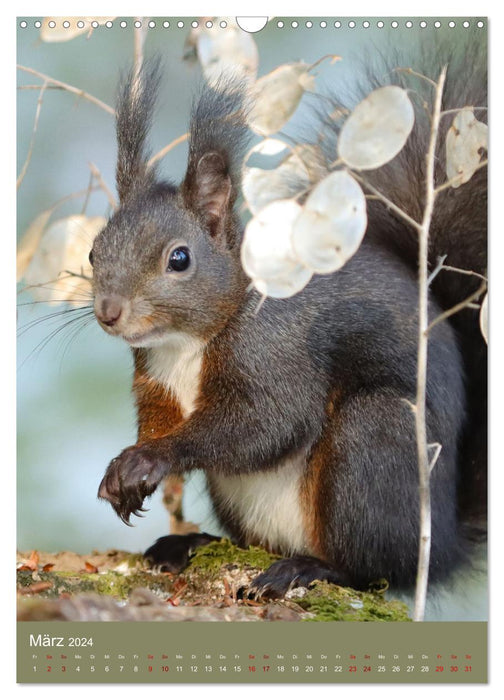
423	321
69	88
79	275
335	163
397	210
437	451
457	179
410	71
88	194
461	271
37	87
161	154
32	141
98	176
466	303
456	110
458	307
437	269
139	36
334	57
73	195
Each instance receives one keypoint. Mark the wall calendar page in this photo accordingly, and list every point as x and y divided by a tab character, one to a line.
252	323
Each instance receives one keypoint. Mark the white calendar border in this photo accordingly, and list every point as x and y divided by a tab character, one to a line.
387	8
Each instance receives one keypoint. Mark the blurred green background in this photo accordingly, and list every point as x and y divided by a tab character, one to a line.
75	411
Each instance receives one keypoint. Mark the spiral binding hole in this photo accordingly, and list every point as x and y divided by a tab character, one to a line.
280	24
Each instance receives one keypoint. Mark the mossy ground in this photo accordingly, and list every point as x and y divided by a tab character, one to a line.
329	603
216	577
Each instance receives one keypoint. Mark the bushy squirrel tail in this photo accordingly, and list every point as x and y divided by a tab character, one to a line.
459	226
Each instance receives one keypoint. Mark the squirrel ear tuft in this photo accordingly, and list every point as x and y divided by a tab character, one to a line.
135	108
207	190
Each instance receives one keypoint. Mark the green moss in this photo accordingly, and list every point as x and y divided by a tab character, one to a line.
209	559
111	583
329	603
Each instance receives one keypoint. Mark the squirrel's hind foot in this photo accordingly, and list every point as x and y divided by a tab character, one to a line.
172	552
296	571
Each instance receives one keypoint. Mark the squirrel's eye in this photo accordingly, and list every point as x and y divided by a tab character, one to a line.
179	259
91	257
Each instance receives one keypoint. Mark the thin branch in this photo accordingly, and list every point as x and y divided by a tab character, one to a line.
69	88
161	154
410	71
98	176
437	451
88	194
335	163
461	271
37	87
457	179
420	402
80	275
437	269
139	36
414	224
32	141
73	195
459	109
458	307
334	57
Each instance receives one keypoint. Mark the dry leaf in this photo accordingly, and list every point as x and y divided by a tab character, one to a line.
330	228
29	242
377	129
224	50
31	564
465	140
277	95
63	249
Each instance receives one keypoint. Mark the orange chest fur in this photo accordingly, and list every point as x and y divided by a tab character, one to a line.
167	384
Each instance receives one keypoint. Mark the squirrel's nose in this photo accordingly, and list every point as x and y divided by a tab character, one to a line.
108	309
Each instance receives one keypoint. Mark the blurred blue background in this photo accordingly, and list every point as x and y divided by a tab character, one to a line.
75	410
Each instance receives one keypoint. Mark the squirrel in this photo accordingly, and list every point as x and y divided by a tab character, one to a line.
300	414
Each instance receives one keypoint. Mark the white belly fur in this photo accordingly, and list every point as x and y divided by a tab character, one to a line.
177	366
267	505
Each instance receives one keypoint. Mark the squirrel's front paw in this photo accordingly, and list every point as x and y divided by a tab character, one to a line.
130	478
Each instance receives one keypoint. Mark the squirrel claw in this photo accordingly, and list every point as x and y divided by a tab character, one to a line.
129	479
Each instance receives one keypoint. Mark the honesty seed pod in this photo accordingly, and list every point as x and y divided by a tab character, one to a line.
465	141
377	129
262	185
330	228
267	254
227	50
277	96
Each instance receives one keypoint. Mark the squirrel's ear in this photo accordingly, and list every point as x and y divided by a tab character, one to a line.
207	190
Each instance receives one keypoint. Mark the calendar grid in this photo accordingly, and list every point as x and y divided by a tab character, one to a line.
252	652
